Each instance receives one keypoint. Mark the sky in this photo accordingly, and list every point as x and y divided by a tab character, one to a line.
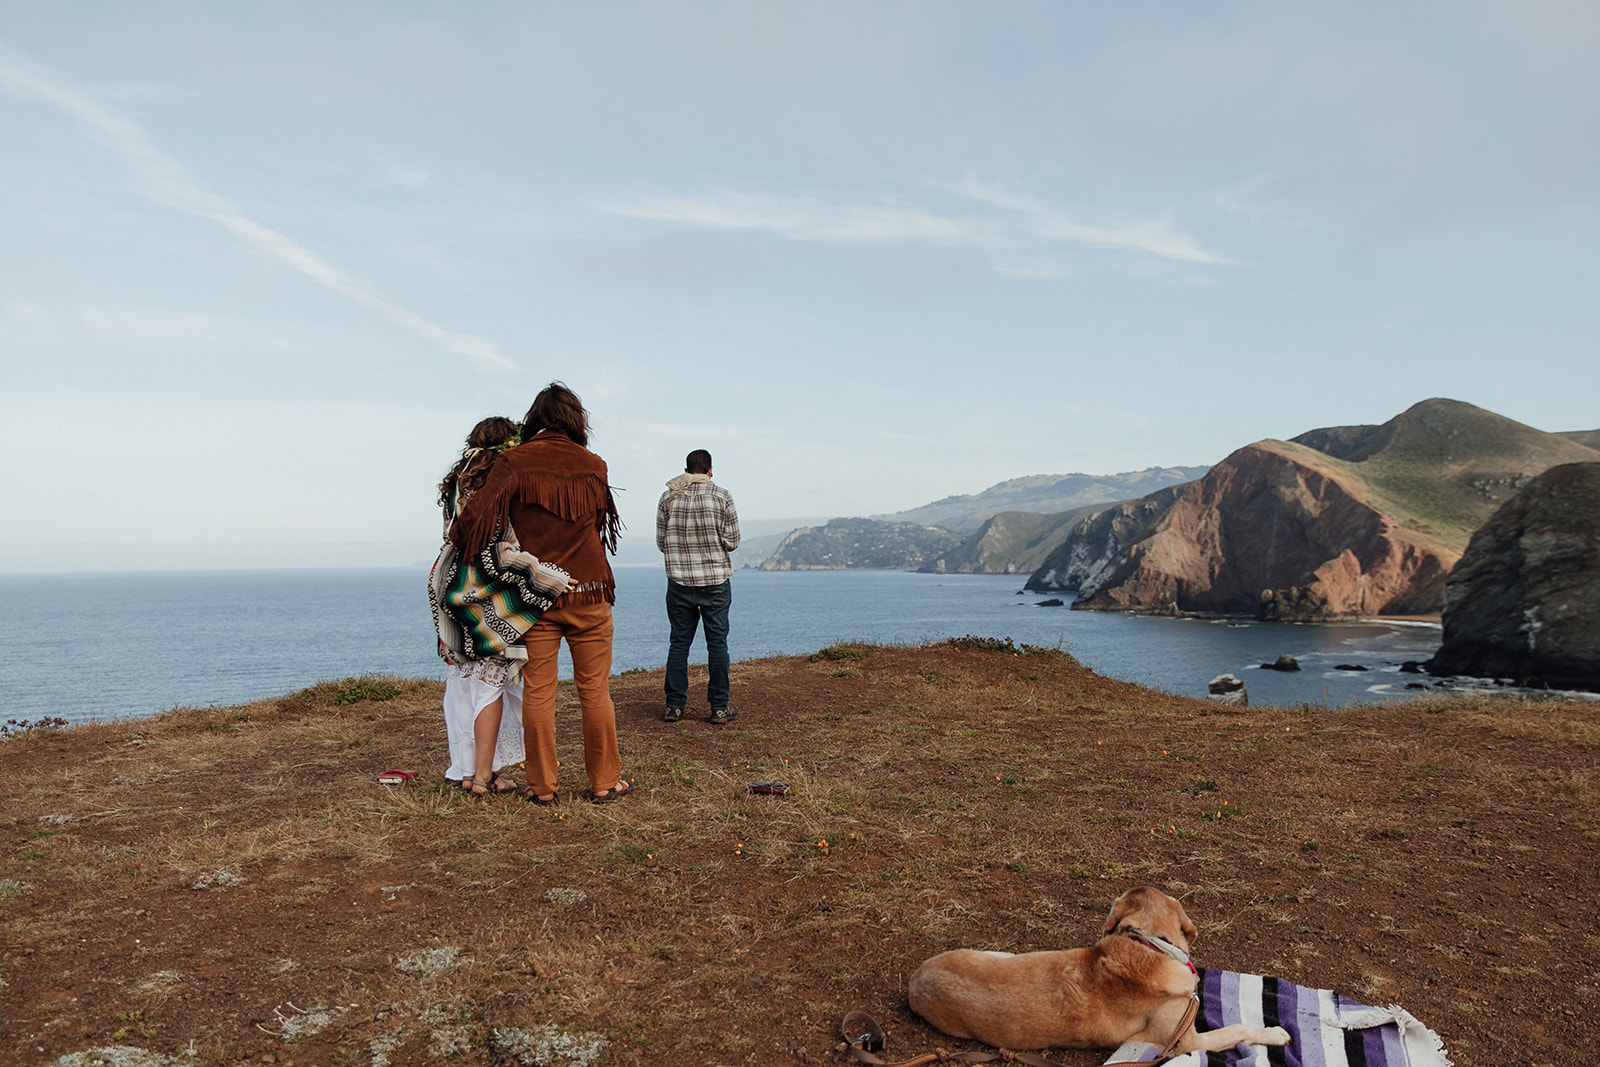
262	266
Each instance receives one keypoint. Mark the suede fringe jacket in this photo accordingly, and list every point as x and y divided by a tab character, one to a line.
556	497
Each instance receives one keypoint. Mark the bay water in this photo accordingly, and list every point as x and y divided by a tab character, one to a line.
113	646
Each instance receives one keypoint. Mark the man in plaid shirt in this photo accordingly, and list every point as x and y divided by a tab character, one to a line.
696	528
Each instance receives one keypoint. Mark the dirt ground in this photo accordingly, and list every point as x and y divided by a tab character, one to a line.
223	885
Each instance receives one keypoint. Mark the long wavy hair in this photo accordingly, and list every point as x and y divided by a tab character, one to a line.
558	409
483	445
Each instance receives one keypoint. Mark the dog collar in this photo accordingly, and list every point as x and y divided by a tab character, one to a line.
1166	948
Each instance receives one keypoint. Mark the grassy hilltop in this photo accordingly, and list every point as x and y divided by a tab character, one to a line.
1443	467
218	885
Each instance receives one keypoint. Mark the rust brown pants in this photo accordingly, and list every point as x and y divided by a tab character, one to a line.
587	630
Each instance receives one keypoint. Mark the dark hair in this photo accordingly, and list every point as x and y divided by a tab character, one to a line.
558	409
698	462
466	477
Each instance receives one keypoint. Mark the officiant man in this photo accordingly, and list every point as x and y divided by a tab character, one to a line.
696	527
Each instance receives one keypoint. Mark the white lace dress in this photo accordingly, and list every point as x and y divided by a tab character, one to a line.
468	689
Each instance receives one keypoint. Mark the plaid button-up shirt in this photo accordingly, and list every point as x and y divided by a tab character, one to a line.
696	527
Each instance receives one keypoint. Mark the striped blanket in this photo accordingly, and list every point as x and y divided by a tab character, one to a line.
1328	1030
482	605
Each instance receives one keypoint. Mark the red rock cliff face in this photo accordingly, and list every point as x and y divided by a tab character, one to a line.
1276	530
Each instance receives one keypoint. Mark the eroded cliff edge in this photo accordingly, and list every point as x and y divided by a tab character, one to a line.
1524	602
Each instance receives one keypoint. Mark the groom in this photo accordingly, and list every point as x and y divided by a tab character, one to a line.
696	528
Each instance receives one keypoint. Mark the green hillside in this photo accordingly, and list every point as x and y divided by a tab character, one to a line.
1442	467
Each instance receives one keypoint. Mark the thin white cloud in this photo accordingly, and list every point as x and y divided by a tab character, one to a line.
408	177
166	181
1005	224
804	218
1250	200
1155	237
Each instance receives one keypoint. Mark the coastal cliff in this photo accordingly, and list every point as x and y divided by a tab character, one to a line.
1278	530
1097	540
1012	542
1524	602
1340	522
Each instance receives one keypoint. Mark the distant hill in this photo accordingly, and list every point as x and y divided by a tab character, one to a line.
1010	526
866	544
1587	438
1341	521
1445	466
1042	494
1012	542
753	551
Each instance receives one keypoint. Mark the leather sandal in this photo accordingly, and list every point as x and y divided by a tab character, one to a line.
607	796
531	795
492	786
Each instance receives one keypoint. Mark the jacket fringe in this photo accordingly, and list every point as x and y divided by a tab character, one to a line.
568	497
589	593
551	472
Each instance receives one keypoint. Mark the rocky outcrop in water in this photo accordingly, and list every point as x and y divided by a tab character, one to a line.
1524	602
1227	689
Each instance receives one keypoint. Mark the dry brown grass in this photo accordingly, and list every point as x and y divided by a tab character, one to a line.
956	795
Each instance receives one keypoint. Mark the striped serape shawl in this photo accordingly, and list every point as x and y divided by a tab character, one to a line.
1327	1030
482	605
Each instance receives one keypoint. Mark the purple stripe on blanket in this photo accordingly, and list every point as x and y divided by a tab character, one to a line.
1280	1007
1307	1003
1299	1011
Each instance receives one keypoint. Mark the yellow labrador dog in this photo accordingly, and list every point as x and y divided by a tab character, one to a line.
1136	983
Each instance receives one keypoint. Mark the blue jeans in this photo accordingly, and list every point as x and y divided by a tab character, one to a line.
688	605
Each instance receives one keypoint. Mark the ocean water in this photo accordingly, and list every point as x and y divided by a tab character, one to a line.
115	646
